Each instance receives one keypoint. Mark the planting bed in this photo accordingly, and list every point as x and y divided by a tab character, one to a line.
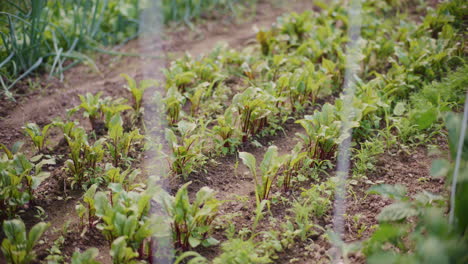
205	153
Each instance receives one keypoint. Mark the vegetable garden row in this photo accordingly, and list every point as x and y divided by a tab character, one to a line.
410	89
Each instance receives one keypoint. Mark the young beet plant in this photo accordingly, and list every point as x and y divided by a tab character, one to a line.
87	257
292	166
186	154
19	177
137	91
99	111
84	157
91	105
269	168
126	214
173	102
227	134
192	223
322	133
37	135
18	245
87	210
119	142
254	106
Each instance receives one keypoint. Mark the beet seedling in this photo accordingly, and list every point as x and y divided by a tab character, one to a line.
186	153
227	131
18	244
192	223
322	133
254	106
269	168
91	104
126	214
87	209
19	177
37	135
173	103
120	142
137	91
125	178
84	158
121	253
87	257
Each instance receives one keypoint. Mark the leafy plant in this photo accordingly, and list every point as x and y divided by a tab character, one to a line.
296	26
126	216
269	168
120	142
266	40
121	253
237	250
365	157
305	86
291	167
37	135
254	107
173	102
322	133
192	223
19	178
126	178
84	157
18	245
186	153
87	209
91	105
86	257
314	203
226	131
137	91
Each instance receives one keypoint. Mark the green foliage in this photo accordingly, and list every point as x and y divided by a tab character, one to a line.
91	105
86	257
227	132
120	253
187	10
87	209
137	91
19	177
192	223
365	157
84	157
37	135
126	178
125	217
254	107
237	251
41	34
18	245
296	26
444	168
322	133
186	152
173	105
314	203
120	143
269	168
292	166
